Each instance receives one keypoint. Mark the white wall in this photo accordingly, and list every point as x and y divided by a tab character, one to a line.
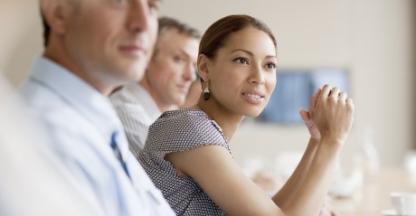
21	37
371	38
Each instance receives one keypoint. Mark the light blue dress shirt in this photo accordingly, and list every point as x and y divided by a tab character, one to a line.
80	122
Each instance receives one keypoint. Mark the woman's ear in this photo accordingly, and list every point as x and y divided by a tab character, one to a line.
203	64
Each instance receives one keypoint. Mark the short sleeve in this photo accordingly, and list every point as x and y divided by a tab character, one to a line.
183	131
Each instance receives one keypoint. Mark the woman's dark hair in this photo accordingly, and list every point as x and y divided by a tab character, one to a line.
215	36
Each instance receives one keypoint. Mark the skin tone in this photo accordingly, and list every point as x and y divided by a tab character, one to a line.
104	42
193	94
241	78
172	69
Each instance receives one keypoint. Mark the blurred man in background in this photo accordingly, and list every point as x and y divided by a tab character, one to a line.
165	84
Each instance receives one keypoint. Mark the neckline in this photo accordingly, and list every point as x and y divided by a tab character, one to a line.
218	126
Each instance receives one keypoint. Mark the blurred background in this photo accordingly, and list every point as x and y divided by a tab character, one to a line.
372	41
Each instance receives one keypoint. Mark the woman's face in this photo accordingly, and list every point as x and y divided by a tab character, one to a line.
242	76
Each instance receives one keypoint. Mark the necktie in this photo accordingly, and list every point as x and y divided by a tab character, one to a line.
117	152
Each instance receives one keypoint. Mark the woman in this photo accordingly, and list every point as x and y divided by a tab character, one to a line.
187	153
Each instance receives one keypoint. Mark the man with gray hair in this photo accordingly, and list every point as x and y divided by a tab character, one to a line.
92	47
165	84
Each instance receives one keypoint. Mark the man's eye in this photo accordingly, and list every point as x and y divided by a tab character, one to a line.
154	5
120	1
178	59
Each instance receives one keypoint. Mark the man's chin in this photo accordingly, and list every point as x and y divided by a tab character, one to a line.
176	101
134	72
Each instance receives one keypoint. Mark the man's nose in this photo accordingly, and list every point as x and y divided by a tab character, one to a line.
139	16
189	73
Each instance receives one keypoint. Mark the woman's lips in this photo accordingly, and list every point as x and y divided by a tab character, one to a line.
253	98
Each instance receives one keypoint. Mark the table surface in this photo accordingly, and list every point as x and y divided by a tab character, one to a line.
374	196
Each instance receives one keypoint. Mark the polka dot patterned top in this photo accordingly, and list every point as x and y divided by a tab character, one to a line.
177	131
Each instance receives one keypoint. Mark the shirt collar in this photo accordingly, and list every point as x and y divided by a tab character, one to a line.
143	96
92	105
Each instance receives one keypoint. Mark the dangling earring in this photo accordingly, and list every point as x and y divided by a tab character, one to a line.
207	94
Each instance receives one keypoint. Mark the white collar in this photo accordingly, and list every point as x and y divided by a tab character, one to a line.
91	104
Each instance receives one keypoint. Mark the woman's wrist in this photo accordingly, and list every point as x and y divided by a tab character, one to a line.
314	141
331	142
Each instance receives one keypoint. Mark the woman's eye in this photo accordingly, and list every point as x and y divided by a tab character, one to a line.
271	66
241	60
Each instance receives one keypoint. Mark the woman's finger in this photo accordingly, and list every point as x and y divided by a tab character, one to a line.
343	97
317	97
334	93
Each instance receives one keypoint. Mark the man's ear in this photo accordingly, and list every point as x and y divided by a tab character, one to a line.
203	65
56	14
